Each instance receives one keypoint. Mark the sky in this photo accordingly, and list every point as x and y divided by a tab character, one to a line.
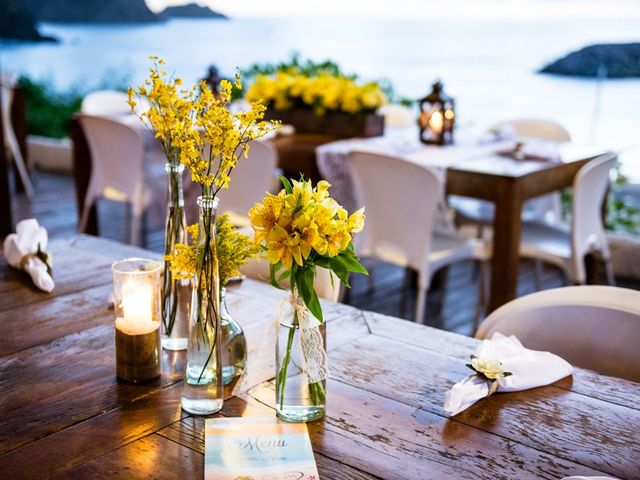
416	8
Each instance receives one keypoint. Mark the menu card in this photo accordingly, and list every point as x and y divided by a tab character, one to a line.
257	449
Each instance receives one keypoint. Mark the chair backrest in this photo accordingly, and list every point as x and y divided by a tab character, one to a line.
401	199
117	153
535	129
589	189
594	327
251	178
105	102
397	115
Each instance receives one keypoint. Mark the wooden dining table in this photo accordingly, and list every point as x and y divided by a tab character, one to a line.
486	171
64	414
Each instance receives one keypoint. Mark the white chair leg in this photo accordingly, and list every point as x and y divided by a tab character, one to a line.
135	228
482	296
421	303
537	274
611	279
22	170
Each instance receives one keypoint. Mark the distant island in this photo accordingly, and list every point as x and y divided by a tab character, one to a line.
20	18
613	60
191	10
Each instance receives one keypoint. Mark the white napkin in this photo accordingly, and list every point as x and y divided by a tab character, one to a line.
529	369
25	241
589	478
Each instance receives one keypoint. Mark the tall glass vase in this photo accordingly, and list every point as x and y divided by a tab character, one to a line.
203	391
234	344
301	364
176	293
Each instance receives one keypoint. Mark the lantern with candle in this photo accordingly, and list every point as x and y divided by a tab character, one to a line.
437	117
137	306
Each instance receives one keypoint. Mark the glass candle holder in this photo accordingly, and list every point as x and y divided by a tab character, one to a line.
137	295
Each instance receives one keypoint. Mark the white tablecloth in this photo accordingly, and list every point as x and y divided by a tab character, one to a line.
400	142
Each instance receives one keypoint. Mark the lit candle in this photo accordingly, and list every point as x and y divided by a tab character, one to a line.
137	307
136	296
436	121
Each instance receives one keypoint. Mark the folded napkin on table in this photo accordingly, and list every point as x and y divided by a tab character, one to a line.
25	250
527	368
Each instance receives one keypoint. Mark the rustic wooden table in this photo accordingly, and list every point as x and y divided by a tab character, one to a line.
508	183
64	414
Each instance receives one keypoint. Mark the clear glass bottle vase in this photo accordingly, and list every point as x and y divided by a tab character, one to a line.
203	391
234	344
176	293
301	364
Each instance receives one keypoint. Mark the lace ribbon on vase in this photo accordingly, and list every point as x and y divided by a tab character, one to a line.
311	341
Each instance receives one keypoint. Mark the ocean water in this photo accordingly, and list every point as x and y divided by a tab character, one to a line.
488	65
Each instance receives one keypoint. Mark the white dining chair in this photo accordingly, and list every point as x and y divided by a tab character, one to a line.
117	170
7	84
397	115
547	208
594	327
105	102
401	198
567	247
252	177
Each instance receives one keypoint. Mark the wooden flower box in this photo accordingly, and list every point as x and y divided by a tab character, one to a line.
331	123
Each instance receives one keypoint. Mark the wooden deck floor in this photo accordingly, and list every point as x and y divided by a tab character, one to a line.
451	308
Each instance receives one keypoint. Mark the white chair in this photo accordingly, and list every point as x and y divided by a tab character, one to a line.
546	208
528	129
117	155
594	327
105	102
401	199
397	115
564	247
7	83
251	179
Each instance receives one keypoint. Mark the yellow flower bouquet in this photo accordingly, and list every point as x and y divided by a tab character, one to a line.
302	228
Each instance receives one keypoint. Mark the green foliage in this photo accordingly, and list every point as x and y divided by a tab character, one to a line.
49	111
620	216
295	63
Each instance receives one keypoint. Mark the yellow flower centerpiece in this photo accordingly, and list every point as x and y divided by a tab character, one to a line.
322	101
302	228
196	126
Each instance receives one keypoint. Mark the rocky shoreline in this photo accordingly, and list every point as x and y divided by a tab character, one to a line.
20	18
613	60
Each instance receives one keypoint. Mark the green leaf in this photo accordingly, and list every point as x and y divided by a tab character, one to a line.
351	262
273	270
340	269
284	275
304	281
286	183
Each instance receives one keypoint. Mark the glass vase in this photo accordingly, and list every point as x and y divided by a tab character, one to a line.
176	293
203	391
234	345
301	364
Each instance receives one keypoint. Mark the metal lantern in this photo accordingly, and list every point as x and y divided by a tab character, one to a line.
437	117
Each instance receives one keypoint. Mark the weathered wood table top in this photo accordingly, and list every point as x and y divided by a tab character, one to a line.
64	414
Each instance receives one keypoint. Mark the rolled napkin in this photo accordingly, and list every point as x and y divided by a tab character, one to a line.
25	250
525	369
589	478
